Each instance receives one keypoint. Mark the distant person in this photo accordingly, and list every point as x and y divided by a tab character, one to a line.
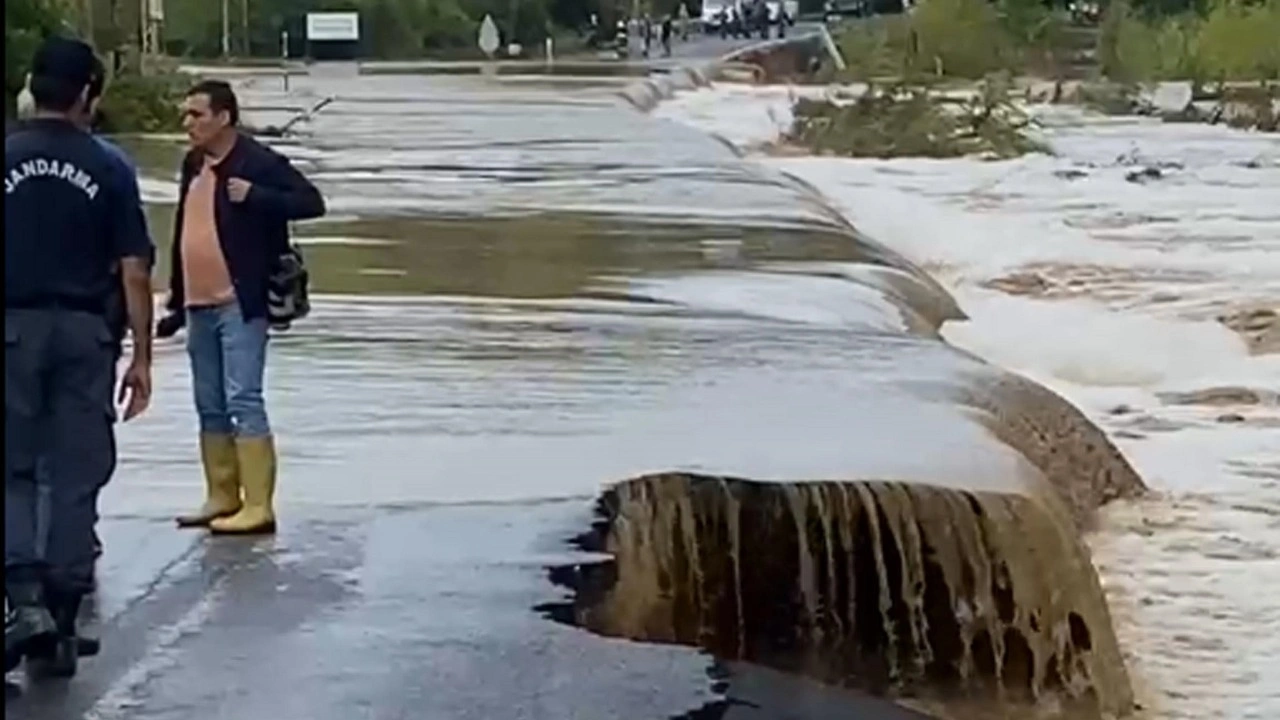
235	202
646	33
667	28
622	40
69	223
683	15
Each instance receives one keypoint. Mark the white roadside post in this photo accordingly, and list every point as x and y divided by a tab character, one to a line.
488	41
284	57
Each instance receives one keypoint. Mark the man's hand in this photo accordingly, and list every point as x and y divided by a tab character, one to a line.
135	389
238	189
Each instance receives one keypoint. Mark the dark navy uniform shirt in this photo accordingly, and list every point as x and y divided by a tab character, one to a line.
70	215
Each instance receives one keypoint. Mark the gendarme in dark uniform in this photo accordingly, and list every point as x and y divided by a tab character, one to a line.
69	221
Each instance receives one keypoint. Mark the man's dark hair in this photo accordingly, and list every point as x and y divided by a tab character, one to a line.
221	98
61	70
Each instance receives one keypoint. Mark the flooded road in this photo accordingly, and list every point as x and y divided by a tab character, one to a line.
510	309
526	291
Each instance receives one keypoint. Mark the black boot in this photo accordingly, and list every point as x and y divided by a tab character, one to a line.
29	627
62	662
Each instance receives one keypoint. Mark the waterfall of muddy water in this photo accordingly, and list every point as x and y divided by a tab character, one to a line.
960	595
527	289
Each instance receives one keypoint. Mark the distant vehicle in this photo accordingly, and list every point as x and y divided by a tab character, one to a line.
1085	13
714	15
737	18
834	10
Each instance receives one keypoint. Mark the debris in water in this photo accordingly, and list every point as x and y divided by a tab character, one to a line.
1144	175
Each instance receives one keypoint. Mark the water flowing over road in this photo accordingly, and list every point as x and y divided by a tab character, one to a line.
1135	272
528	290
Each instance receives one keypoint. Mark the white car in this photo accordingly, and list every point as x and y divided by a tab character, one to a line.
713	14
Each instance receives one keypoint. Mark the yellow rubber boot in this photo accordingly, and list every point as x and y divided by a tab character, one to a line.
221	479
257	457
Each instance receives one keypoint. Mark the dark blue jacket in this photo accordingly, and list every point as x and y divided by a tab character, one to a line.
70	216
255	233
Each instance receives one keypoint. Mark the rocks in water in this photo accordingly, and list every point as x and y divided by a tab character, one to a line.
1020	283
1260	327
1073	455
1108	97
1144	175
1254	106
973	598
1220	396
1133	158
1166	98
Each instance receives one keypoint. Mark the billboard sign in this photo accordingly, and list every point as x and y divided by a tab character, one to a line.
325	26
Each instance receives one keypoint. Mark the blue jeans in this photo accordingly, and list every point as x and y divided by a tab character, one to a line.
228	361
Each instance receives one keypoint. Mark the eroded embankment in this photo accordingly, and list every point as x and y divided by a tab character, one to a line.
975	600
970	599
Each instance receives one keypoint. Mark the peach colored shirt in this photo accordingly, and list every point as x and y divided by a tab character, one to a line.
204	269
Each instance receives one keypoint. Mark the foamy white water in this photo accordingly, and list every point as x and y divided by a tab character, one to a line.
1120	282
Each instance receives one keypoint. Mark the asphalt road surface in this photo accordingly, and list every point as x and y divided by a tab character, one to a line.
381	614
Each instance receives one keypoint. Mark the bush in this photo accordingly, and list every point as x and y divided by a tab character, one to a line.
956	38
904	120
1232	40
143	103
1240	41
962	38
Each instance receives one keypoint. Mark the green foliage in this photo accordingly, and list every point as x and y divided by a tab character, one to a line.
954	38
138	103
389	28
26	24
906	120
132	103
1240	41
1140	40
965	38
1231	40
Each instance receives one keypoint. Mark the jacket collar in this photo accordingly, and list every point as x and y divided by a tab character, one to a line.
195	158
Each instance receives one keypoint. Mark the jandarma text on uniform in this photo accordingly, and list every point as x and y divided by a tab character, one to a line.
40	167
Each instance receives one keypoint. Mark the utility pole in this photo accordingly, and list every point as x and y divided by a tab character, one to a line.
226	30
244	28
88	23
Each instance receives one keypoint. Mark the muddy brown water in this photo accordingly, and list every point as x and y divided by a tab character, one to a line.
530	291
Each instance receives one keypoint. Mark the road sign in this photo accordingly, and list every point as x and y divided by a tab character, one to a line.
324	26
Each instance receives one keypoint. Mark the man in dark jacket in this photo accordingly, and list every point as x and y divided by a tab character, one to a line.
236	200
68	222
